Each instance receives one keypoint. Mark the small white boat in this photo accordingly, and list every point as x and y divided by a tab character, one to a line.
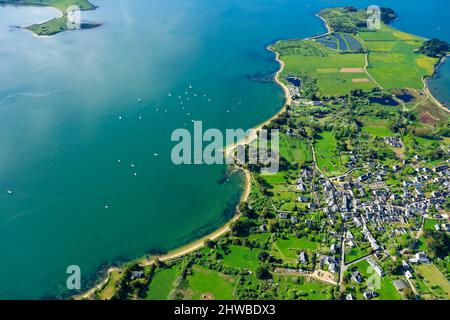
106	207
140	100
120	117
10	192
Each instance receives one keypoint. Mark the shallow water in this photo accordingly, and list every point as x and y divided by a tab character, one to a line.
440	83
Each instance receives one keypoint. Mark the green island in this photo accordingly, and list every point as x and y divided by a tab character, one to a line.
59	24
359	208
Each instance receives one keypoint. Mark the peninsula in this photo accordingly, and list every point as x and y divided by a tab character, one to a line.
359	209
59	24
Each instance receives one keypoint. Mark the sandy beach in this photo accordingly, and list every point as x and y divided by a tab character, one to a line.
182	251
198	244
287	102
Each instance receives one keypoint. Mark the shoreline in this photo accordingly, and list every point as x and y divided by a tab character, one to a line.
287	101
181	251
427	90
199	243
327	26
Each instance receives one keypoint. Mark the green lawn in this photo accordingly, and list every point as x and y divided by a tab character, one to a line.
435	280
386	290
211	283
295	150
429	224
376	127
354	254
289	248
242	257
110	288
302	288
274	179
260	237
327	158
161	284
421	244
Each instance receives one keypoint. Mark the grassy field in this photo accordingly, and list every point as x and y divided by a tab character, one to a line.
393	61
110	288
376	127
284	195
324	64
429	224
327	158
295	150
261	237
161	284
386	290
289	248
354	254
242	257
434	280
207	284
302	288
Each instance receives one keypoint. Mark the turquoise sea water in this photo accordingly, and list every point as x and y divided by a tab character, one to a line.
61	138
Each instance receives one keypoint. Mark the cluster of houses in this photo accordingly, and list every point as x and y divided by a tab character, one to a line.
419	257
394	142
330	263
368	204
294	85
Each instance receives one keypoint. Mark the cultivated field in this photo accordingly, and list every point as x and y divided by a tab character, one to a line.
434	280
324	64
205	284
393	61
